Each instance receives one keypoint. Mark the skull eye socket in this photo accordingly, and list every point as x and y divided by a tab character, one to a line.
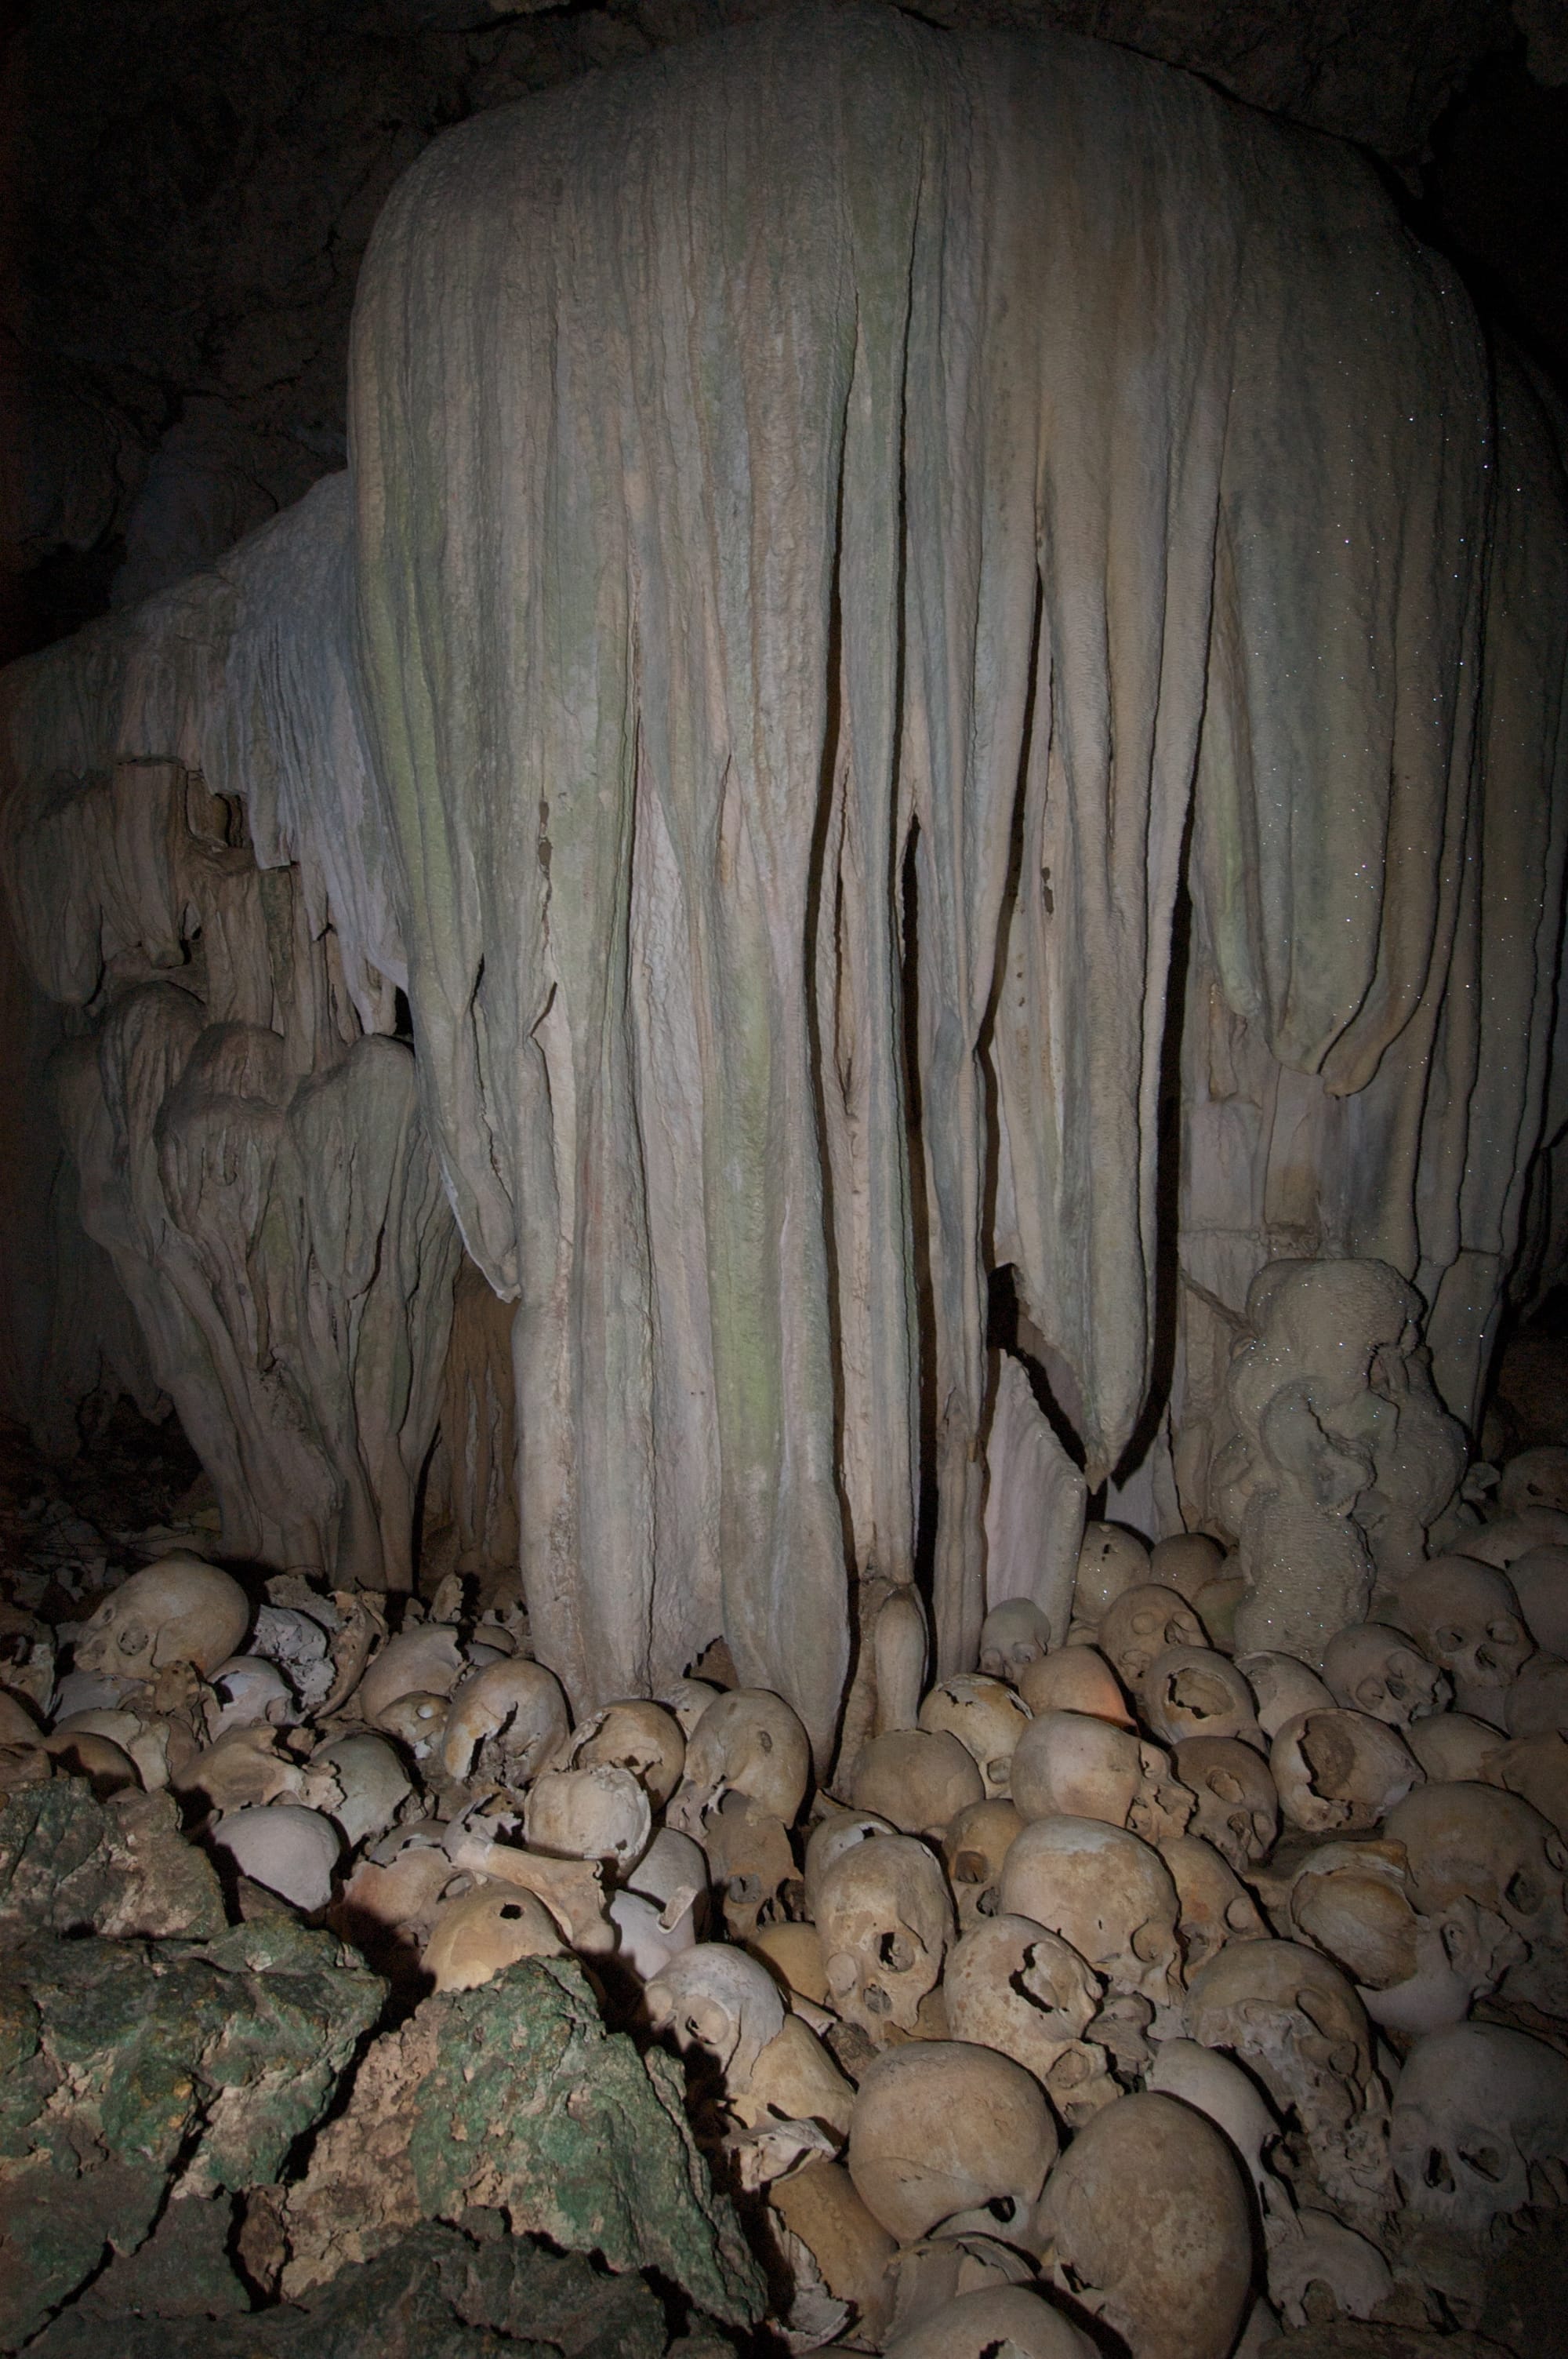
970	1867
1522	1894
894	1953
1451	1641
1148	1945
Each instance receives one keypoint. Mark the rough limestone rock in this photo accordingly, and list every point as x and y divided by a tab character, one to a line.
127	2065
436	2294
70	1864
515	2098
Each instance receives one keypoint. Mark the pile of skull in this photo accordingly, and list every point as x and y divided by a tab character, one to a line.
1123	1977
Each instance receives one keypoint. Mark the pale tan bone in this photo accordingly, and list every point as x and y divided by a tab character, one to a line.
886	1923
571	1889
1465	1618
480	1933
1293	2016
1320	2255
1142	1623
1237	1805
837	1830
1219	2089
917	1779
975	1846
994	2320
820	2205
747	1742
599	1814
1479	2129
1187	1562
418	1722
1477	1843
642	1737
107	1766
1534	1478
988	1718
1170	2273
1076	1679
796	2079
426	1660
718	1999
1506	1536
1283	1686
1106	1893
1214	1904
689	1700
292	1850
1014	1634
1373	1668
1012	1985
179	1610
1070	1762
506	1721
945	2133
1340	1772
376	1786
794	1954
751	1861
673	1872
1452	1748
1413	1974
249	1688
1190	1692
362	1626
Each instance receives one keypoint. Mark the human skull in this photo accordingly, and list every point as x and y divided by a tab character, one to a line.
918	1779
1318	2267
794	1954
673	1872
1013	1636
179	1610
480	1934
599	1813
1536	1703
1111	1561
248	1688
1291	2015
838	1830
374	1782
1537	1767
1479	2128
945	2134
1466	1620
716	1998
1238	1808
1340	1771
1452	1747
1372	1669
1106	1892
1013	1986
1068	1761
1190	1692
289	1849
689	1700
505	1722
820	2208
886	1922
1218	2088
107	1766
1539	1582
1412	1974
1283	1686
417	1720
986	1716
1076	1679
390	1903
974	1846
1214	1904
1140	1625
1535	1478
639	1736
1187	1562
426	1660
751	1861
747	1742
1170	2273
993	2320
1481	1845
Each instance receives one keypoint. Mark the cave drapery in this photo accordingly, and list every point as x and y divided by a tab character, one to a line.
861	549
